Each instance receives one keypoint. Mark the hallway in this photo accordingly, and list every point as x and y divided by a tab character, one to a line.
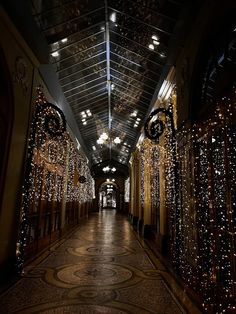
100	268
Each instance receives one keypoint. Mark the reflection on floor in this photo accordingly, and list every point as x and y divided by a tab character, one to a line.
101	268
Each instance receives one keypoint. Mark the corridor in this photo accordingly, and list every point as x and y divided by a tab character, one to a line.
102	267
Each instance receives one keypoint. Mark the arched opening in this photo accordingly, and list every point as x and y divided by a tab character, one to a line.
6	120
108	196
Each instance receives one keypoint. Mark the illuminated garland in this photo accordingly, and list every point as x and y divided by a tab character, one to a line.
142	178
127	190
207	156
155	187
52	162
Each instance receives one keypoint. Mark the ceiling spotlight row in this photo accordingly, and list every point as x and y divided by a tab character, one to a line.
56	53
84	115
136	123
154	44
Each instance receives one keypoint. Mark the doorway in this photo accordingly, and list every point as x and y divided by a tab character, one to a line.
108	196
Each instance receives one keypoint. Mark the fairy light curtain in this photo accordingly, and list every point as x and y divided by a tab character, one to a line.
207	181
150	187
53	167
188	242
127	190
155	187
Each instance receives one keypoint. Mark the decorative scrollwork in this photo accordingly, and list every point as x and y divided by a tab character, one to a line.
54	120
154	126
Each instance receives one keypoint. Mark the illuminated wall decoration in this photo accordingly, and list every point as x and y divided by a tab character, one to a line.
142	178
207	189
53	169
155	188
200	200
127	190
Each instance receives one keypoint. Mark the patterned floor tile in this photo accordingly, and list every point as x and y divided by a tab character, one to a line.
101	268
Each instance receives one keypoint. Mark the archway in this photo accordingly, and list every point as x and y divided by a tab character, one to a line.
108	195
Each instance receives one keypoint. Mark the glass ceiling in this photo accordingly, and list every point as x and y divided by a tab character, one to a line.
109	57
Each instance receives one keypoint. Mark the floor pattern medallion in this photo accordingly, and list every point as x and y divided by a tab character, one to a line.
101	268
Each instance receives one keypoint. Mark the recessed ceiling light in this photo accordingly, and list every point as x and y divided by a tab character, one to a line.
156	42
83	119
94	147
154	37
113	17
85	122
162	55
138	119
134	113
64	40
151	46
55	54
102	28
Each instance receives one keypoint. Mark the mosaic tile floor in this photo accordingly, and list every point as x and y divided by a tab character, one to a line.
101	268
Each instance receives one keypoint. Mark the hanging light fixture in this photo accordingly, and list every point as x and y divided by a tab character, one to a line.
108	169
105	138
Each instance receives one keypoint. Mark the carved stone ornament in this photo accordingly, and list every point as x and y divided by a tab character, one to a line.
20	75
82	179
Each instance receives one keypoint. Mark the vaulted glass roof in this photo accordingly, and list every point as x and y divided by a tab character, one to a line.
109	57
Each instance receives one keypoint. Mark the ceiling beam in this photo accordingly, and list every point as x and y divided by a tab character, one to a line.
130	77
135	63
86	83
77	42
137	44
78	63
77	53
127	68
129	90
71	20
89	100
96	91
129	84
85	90
135	53
130	17
83	78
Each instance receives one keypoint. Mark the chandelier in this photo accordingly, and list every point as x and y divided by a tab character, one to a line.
108	169
104	138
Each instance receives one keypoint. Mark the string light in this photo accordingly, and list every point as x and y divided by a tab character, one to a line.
207	166
53	169
200	202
